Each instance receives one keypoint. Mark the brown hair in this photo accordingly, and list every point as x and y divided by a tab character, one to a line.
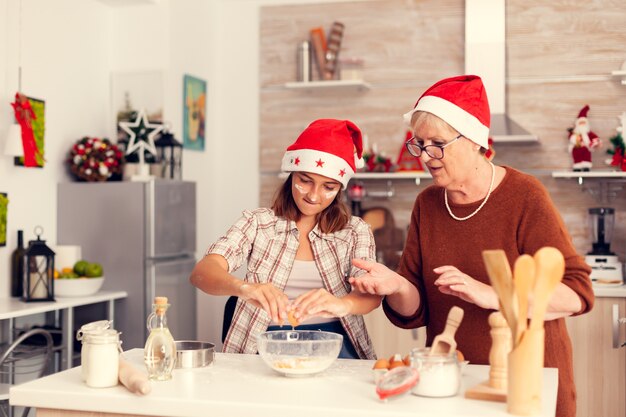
334	218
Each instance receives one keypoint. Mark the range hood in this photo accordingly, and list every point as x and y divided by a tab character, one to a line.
485	56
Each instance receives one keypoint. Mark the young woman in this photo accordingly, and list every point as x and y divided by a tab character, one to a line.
299	252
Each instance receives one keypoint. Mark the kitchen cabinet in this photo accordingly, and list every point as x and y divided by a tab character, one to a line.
599	367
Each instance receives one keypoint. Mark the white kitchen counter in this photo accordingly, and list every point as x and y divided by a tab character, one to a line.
242	385
12	308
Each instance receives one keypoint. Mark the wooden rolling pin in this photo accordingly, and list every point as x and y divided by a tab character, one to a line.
133	379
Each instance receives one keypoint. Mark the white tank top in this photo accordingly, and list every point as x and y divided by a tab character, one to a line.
305	277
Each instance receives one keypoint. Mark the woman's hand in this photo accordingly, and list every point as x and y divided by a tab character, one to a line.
451	281
267	297
379	279
319	303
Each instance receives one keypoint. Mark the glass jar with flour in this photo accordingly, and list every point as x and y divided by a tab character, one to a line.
440	375
100	356
82	333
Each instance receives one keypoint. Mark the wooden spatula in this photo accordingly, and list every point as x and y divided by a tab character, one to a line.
549	269
444	343
501	278
524	280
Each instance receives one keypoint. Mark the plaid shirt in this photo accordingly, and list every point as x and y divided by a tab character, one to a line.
269	244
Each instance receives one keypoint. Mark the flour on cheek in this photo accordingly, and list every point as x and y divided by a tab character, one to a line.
300	188
331	194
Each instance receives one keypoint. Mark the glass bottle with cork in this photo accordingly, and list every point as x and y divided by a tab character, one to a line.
160	350
17	266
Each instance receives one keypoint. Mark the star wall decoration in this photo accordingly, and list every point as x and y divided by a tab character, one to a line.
141	134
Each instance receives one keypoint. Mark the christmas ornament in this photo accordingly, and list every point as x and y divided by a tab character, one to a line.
94	159
141	138
619	159
491	152
582	141
25	115
406	161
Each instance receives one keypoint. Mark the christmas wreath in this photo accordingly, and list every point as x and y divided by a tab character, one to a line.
94	159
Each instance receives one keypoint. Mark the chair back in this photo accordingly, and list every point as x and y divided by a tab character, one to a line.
25	358
229	311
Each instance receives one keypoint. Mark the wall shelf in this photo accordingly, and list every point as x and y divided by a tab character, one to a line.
604	190
620	73
390	176
588	174
354	85
402	175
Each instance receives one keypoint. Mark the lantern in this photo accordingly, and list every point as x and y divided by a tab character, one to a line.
38	270
170	154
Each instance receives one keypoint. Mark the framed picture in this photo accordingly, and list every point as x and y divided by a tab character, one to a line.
194	113
4	206
39	130
132	92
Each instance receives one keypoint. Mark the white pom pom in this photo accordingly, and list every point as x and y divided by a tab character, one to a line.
359	162
103	170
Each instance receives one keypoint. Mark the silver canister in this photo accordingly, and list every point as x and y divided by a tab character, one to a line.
304	62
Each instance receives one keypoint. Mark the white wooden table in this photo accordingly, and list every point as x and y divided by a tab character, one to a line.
242	385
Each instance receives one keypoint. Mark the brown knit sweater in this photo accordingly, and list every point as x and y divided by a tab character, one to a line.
519	218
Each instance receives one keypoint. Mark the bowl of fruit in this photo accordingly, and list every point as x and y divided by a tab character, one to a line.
82	279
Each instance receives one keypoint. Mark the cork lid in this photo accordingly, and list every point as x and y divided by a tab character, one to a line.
160	300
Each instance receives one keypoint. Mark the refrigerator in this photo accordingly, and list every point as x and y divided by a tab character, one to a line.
144	235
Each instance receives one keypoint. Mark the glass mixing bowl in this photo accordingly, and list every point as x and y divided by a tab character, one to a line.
299	352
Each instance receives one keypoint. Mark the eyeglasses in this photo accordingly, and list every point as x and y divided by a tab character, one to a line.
434	151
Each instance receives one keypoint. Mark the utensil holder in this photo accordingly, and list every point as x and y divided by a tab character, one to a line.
525	374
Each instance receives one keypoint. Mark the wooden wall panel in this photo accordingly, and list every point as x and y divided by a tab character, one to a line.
564	38
559	58
400	40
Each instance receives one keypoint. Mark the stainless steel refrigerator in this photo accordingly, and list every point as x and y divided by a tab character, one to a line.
144	234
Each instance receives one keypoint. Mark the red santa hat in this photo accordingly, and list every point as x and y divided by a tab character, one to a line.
583	112
328	147
462	103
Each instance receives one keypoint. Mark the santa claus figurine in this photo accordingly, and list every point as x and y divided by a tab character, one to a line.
582	141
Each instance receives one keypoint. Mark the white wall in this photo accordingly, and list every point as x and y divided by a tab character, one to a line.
64	61
69	49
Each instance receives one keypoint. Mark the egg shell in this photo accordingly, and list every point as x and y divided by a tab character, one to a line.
381	364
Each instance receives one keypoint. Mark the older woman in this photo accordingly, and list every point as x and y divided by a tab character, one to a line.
472	206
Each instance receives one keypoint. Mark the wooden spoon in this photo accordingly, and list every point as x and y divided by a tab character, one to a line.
501	278
549	269
444	343
524	280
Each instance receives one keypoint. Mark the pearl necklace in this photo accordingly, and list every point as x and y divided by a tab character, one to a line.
445	195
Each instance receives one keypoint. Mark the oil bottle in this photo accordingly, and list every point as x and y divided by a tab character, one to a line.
160	351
